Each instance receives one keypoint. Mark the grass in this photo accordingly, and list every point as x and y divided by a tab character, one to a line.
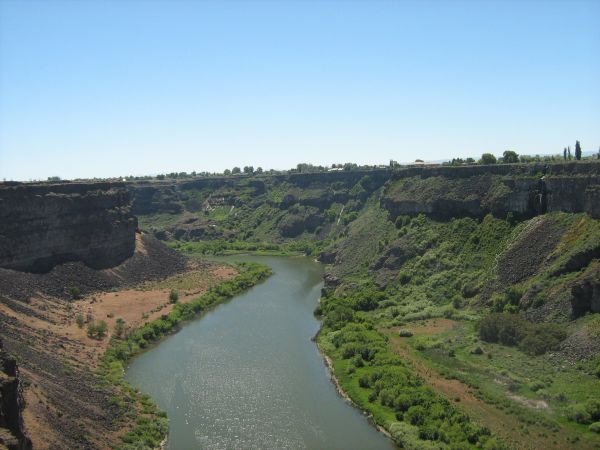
502	374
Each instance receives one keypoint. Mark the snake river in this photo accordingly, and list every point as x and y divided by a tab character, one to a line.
247	375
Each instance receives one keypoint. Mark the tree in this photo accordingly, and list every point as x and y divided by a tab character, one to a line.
565	153
259	170
227	172
510	157
569	157
487	158
173	296
577	151
236	170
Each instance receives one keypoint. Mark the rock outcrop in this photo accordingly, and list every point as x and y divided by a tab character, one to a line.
42	225
522	190
12	435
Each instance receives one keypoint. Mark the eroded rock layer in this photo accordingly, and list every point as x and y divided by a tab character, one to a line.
474	191
42	225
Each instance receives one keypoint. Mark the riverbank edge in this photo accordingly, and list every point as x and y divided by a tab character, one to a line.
342	393
151	423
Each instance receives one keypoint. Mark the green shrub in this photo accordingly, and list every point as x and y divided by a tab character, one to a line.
579	414
595	427
97	330
536	386
513	329
75	293
503	328
79	320
415	415
173	296
539	338
593	409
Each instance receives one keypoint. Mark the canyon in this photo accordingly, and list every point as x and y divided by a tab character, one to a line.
401	246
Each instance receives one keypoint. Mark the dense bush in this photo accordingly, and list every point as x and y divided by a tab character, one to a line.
514	330
425	419
509	302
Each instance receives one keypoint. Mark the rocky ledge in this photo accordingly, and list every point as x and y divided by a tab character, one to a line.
45	224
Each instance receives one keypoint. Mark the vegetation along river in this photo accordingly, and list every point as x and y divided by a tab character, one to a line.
247	374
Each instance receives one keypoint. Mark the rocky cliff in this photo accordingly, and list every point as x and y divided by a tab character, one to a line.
42	225
178	195
11	405
522	190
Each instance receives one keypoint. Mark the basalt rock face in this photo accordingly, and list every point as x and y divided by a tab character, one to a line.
175	196
522	190
12	435
42	225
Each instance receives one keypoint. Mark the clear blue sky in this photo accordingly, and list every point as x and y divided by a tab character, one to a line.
103	88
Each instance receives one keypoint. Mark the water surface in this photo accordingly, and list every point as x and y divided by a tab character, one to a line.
247	375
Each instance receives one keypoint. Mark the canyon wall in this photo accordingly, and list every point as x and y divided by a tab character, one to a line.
45	224
522	190
174	196
525	190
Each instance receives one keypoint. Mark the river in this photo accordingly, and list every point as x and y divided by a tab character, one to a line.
247	375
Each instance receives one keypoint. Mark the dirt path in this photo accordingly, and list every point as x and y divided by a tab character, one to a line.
504	425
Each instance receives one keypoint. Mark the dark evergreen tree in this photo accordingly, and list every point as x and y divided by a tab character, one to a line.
577	151
569	153
565	153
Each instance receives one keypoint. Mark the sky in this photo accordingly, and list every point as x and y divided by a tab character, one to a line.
116	88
